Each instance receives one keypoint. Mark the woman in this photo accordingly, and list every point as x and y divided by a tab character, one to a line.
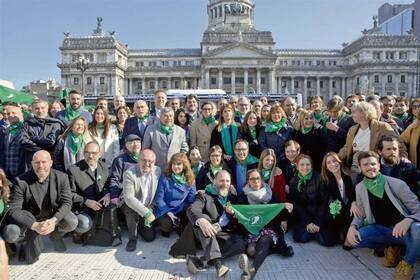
195	160
122	114
311	137
55	107
292	151
226	132
411	135
265	112
250	129
271	238
208	172
317	106
70	145
175	192
276	133
182	119
341	194
4	199
310	198
102	131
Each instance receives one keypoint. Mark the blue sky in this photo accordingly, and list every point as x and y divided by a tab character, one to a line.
32	30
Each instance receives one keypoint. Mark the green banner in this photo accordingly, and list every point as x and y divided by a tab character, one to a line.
255	217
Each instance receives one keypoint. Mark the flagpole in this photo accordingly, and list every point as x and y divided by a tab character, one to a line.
83	65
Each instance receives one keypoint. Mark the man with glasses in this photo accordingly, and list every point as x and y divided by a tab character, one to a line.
139	188
88	183
244	105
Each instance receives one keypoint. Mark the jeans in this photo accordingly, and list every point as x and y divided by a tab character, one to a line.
378	237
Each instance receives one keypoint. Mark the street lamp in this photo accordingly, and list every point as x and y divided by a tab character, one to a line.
253	90
83	65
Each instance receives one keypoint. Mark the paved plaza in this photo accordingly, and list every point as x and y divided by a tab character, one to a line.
151	261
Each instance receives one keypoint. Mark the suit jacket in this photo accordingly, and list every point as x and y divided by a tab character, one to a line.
404	200
132	192
200	135
411	137
377	131
85	184
12	158
24	198
131	126
157	141
119	166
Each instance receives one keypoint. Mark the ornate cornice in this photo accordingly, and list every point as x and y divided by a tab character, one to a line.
93	43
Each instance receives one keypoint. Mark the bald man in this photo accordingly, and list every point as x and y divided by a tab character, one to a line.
40	205
137	125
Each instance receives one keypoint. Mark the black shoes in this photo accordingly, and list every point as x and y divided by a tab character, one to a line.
288	252
58	243
248	272
131	245
165	234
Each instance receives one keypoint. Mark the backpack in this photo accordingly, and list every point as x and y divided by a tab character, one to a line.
105	230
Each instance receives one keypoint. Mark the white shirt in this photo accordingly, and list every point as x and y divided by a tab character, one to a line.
343	195
146	188
361	141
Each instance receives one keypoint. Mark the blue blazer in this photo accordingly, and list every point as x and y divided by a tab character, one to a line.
171	197
131	126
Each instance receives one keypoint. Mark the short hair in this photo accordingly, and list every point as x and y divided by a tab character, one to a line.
158	91
386	139
191	96
207	103
302	157
387	98
367	109
244	98
248	174
335	104
10	103
292	143
99	99
363	155
37	101
215	149
242	141
352	96
73	91
402	99
372	97
93	142
166	110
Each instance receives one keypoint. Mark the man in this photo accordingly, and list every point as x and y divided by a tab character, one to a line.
139	188
289	106
88	179
387	105
119	101
40	205
137	125
102	102
257	107
40	132
165	138
392	213
12	158
160	103
393	165
351	100
234	102
191	106
401	110
264	100
214	226
244	106
121	164
175	104
74	110
240	163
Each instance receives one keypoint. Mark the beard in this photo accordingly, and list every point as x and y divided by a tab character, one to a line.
42	173
224	192
393	160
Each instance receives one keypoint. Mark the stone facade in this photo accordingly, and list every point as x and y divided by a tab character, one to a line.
236	57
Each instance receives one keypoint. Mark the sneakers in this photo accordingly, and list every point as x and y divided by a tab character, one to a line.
221	269
131	245
248	272
404	271
393	255
58	243
194	264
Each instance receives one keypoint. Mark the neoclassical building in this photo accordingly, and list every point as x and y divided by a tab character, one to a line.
238	58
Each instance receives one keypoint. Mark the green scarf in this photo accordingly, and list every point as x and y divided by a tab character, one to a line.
166	129
211	189
250	159
375	186
303	180
402	117
253	132
146	216
179	178
215	169
2	206
134	156
335	208
100	126
239	115
71	114
196	168
229	140
306	130
209	120
142	119
75	142
318	116
276	126
266	174
15	128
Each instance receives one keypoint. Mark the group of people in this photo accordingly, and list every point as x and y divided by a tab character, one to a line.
344	171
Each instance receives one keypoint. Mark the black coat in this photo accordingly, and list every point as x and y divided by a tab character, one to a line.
85	185
337	140
131	126
23	199
203	177
232	166
313	144
254	147
407	172
216	138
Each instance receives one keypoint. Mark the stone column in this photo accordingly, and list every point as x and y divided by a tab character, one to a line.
245	81
330	93
233	81
157	86
384	80
258	80
318	86
272	79
397	82
279	86
343	87
305	90
220	78
169	83
292	87
143	85
131	90
207	84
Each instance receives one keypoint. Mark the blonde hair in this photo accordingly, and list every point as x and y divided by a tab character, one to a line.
301	117
69	128
367	109
264	154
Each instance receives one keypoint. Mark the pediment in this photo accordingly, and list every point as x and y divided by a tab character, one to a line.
239	51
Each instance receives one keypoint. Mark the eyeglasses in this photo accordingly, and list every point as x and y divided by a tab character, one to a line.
207	109
255	179
91	153
215	156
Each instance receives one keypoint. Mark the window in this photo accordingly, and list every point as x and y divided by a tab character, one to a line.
227	81
403	55
74	57
321	84
376	78
176	84
250	81
220	11
389	55
376	55
89	80
239	80
164	84
75	81
357	80
296	84
101	80
403	79
308	84
262	80
101	57
189	84
283	84
333	84
402	93
152	84
318	62
389	78
213	81
139	85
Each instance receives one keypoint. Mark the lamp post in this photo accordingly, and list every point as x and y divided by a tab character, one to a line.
83	65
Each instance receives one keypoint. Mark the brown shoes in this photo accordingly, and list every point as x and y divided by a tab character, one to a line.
393	256
404	271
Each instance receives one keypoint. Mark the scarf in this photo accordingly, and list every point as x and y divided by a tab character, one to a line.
250	159
75	142
227	139
266	174
303	180
166	129
142	119
196	168
253	132
15	128
276	126
211	189
2	206
260	196
209	120
306	130
239	115
100	126
179	178
402	117
215	169
71	114
318	116
134	156
375	186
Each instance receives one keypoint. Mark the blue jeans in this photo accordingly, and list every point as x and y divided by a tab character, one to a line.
378	237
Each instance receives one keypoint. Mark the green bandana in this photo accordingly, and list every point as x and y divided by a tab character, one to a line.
303	180
253	132
100	126
229	140
71	114
239	115
15	128
166	129
211	189
402	117
375	186
2	206
142	119
215	169
146	216
328	119
134	156
250	159
75	142
335	208
196	168
318	116
276	126
306	130
209	120
266	174
179	178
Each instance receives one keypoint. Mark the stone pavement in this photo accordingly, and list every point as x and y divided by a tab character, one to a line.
152	262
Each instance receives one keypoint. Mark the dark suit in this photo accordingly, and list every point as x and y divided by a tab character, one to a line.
131	126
